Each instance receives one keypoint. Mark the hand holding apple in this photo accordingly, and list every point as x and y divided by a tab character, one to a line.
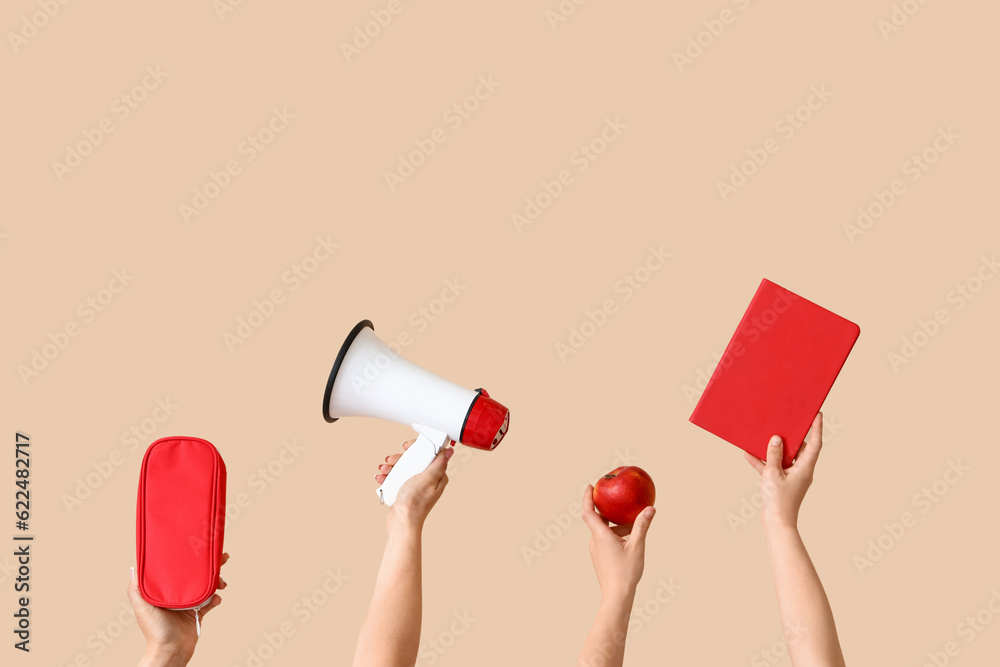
618	552
620	495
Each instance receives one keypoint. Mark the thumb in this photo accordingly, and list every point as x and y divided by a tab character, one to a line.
774	452
439	465
133	583
214	602
133	592
637	538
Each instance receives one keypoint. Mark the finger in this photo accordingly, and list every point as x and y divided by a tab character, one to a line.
133	592
590	516
774	452
212	604
755	462
385	468
436	470
225	558
222	583
809	452
623	530
637	539
593	507
133	583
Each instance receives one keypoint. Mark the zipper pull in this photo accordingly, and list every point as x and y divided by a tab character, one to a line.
197	623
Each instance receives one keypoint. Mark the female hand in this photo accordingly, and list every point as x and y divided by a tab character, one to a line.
618	553
171	635
418	494
784	489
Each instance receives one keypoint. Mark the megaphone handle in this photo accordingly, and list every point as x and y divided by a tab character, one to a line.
414	461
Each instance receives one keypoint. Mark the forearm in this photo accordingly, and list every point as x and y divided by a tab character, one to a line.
605	645
390	634
806	616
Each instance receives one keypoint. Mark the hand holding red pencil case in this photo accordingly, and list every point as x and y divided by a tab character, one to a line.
180	523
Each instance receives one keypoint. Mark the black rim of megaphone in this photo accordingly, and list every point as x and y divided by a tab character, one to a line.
336	366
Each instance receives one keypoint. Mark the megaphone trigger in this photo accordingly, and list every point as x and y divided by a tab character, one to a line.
438	438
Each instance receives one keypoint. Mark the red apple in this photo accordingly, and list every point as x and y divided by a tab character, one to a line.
624	492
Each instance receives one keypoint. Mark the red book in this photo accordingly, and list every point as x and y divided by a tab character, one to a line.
776	372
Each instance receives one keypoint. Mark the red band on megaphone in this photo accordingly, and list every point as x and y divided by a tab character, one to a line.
486	424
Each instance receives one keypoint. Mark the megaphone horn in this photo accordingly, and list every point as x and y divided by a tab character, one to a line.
369	379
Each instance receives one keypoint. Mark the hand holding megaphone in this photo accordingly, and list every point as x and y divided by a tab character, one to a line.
369	379
423	490
417	457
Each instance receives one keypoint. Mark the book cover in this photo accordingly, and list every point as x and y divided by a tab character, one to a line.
776	372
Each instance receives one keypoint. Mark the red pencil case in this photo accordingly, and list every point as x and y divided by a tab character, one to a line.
180	522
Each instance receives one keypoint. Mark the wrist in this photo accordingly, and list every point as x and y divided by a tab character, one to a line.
779	524
402	521
618	598
162	655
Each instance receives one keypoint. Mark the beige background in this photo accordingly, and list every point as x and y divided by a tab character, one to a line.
622	392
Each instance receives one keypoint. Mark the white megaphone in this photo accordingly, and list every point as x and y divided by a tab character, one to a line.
369	379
